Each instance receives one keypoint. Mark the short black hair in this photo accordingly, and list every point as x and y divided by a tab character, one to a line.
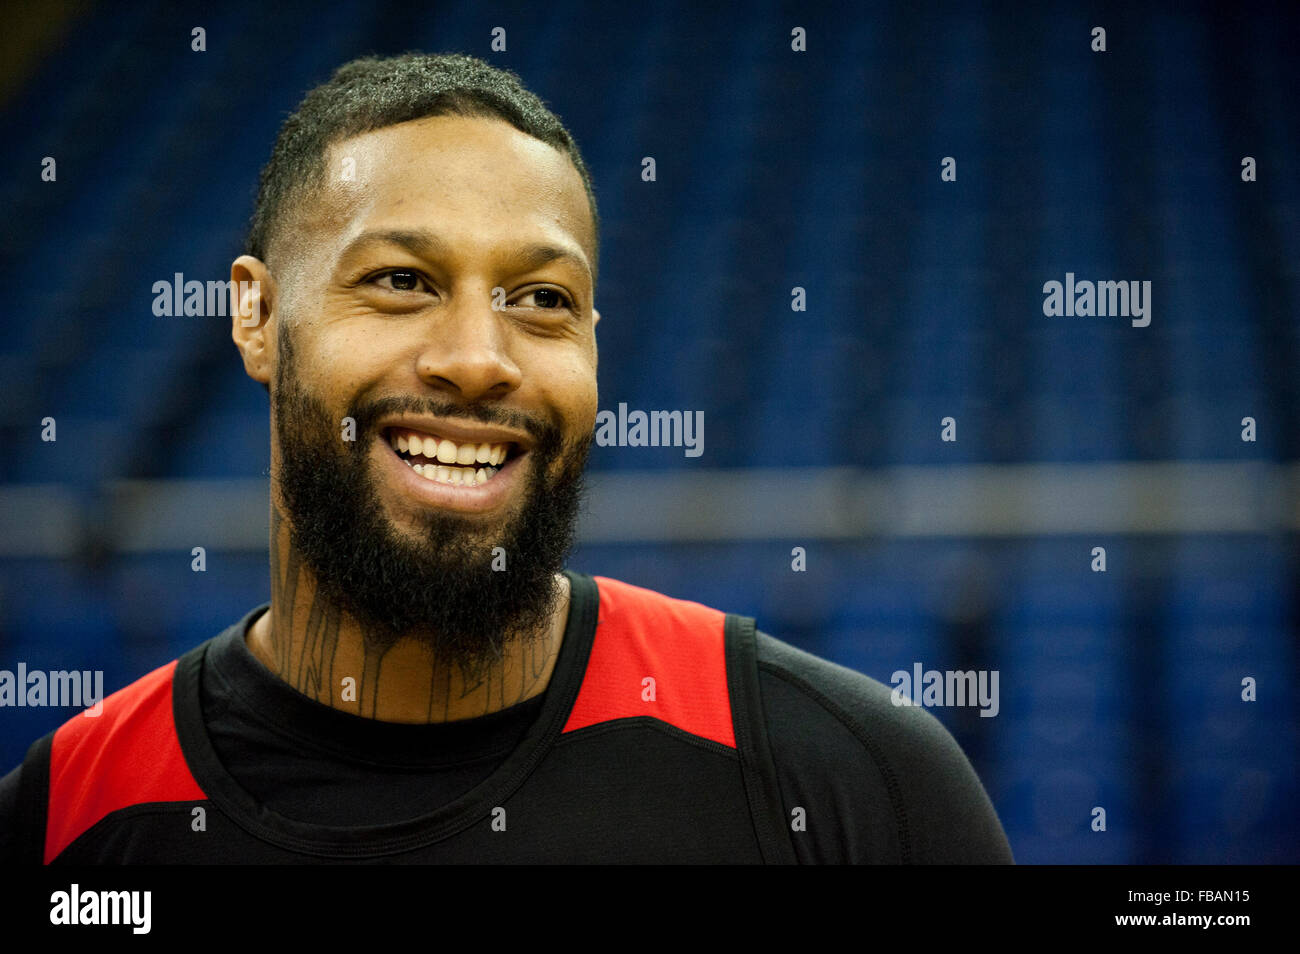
374	92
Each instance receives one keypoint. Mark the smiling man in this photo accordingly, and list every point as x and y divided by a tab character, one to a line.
428	682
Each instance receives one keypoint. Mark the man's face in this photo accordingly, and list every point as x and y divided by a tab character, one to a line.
439	295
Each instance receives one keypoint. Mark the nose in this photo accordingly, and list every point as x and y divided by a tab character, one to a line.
467	350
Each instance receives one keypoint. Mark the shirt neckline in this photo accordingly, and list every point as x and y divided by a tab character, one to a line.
471	808
312	726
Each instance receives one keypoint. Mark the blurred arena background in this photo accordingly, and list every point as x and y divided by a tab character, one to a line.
775	169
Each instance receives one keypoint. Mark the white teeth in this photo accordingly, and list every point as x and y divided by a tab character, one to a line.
462	457
455	476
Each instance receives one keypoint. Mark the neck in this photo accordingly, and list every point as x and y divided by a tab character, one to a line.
309	643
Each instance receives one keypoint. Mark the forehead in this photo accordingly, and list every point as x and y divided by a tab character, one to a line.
468	178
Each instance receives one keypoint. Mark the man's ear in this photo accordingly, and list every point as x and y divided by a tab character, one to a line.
595	317
252	306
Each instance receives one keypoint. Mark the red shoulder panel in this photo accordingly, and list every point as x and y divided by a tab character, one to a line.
644	635
127	755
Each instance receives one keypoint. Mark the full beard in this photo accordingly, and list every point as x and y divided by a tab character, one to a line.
437	586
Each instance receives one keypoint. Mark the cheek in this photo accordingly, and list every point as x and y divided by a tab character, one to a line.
345	362
572	389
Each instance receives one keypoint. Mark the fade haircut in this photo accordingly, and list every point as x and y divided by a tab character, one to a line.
374	92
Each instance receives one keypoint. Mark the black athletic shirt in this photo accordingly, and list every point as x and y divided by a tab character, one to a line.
669	732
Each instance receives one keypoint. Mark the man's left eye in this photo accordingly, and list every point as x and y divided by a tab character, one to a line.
548	298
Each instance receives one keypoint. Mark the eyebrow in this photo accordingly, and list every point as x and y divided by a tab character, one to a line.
427	244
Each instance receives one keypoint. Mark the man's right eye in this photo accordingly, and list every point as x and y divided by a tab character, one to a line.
399	280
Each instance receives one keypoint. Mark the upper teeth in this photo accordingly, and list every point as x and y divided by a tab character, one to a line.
445	451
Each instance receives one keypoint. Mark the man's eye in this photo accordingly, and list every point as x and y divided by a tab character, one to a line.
547	298
399	280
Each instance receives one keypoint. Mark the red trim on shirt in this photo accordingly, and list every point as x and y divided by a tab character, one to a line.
643	635
127	755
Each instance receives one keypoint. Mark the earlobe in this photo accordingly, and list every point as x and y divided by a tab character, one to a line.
252	299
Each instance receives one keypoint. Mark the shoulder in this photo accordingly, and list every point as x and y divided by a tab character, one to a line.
97	761
133	718
649	646
880	781
867	780
126	754
643	610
